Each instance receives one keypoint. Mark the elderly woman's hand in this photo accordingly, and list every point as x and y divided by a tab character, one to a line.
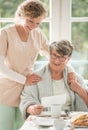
35	109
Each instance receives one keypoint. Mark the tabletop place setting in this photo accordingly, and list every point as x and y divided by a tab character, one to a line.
56	119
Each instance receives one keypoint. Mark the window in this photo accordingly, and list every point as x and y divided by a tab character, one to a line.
73	25
67	19
79	31
7	10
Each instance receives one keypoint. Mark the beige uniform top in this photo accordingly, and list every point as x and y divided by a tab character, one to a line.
19	57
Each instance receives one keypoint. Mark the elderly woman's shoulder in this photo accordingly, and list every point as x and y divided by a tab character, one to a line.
71	69
43	70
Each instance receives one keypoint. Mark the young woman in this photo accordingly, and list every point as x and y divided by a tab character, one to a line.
20	45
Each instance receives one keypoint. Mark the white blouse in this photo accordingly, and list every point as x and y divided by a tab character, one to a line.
59	88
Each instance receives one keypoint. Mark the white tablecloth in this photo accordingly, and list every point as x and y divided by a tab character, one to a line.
29	125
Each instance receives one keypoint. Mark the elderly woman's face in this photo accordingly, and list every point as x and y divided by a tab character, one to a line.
57	61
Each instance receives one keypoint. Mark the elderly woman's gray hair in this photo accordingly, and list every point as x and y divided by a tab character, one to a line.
63	47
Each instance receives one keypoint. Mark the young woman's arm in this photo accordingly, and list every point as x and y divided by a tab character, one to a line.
10	74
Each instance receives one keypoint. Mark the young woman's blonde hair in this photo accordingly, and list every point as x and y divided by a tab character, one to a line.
30	8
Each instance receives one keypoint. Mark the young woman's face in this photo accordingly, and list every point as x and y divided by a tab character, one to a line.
57	61
30	24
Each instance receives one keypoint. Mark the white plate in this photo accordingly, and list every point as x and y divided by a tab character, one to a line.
48	114
43	121
75	114
77	126
45	114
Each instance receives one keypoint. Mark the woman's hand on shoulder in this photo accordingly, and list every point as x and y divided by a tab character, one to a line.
71	77
72	81
74	85
32	79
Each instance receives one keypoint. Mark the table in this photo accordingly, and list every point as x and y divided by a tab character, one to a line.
30	125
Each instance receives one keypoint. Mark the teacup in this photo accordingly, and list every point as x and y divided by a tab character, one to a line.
59	124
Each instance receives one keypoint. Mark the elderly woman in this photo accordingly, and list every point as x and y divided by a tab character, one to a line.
54	82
